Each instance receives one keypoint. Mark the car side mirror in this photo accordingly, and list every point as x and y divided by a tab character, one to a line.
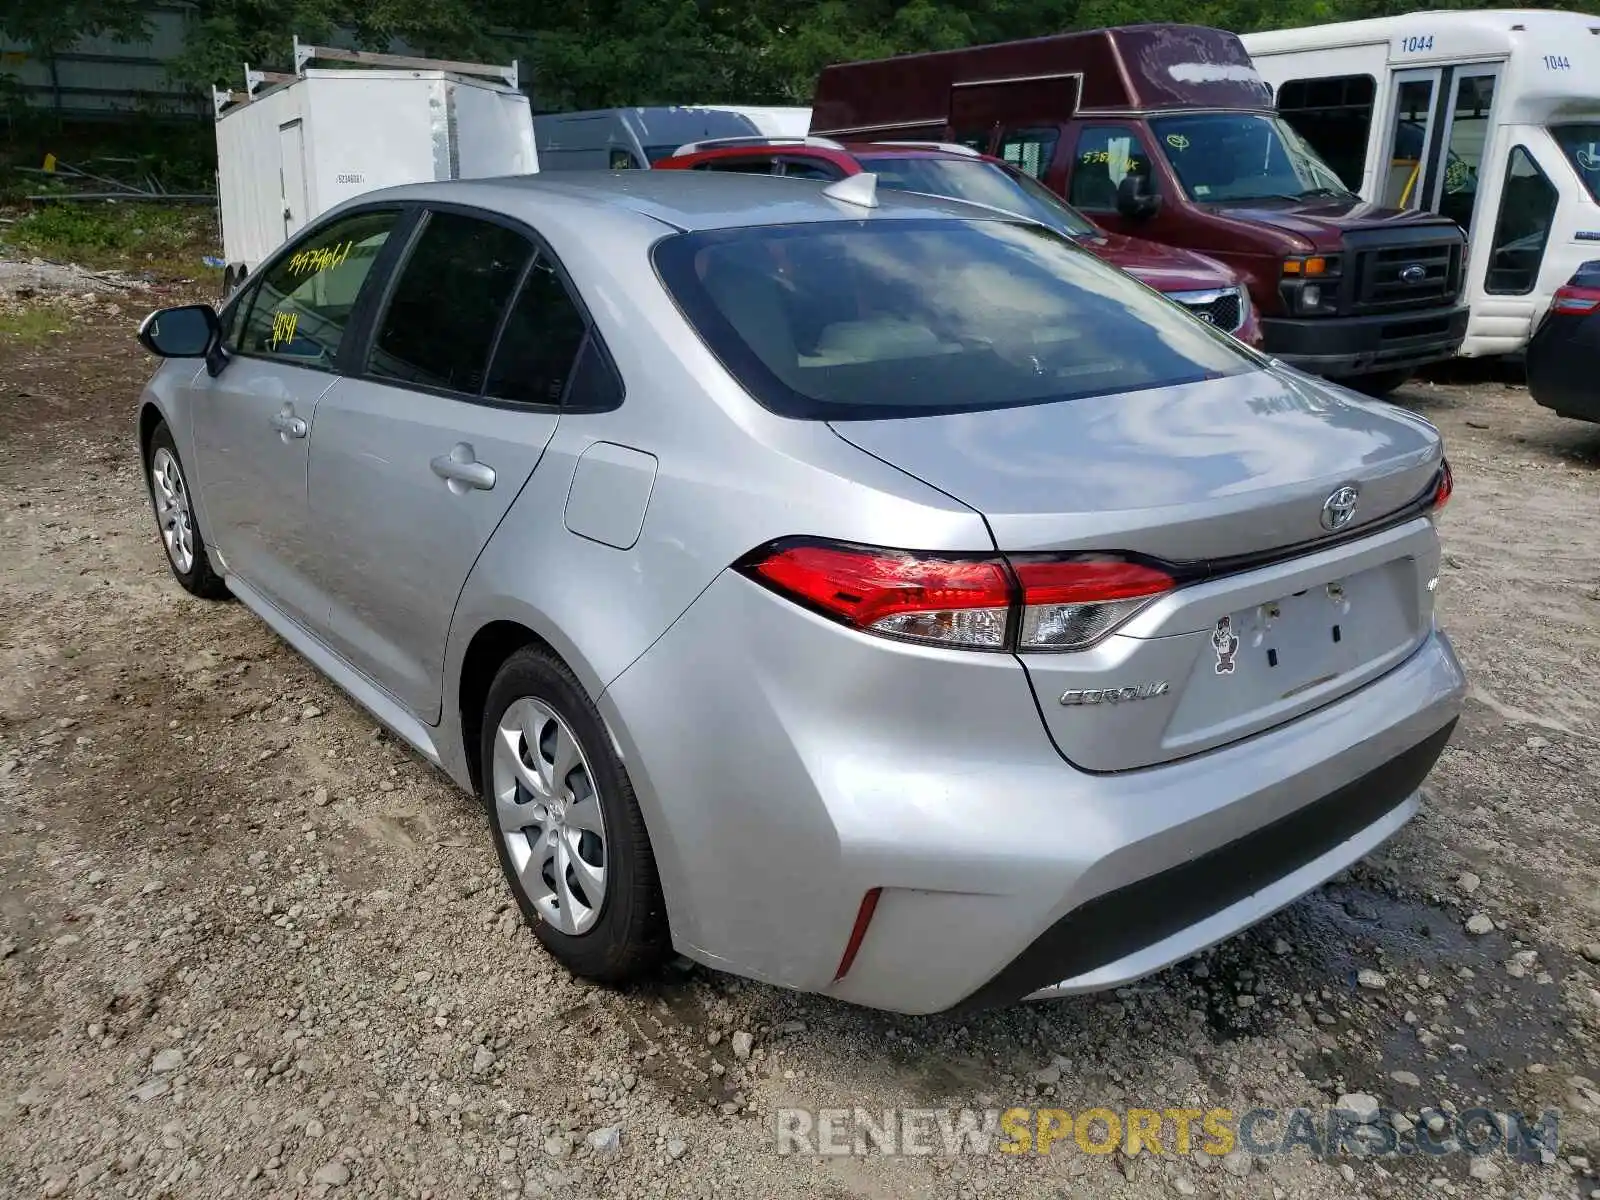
190	331
1135	200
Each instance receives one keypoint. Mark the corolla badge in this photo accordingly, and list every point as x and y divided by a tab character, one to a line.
1415	273
1112	695
1339	509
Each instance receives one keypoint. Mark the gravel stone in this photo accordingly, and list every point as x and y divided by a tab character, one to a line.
1479	924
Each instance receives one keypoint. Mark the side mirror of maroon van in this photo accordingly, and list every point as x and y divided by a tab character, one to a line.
1135	200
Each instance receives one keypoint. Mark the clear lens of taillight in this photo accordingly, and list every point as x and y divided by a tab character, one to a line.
956	601
1070	603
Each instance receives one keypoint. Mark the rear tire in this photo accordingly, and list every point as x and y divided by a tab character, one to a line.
566	824
175	518
1380	383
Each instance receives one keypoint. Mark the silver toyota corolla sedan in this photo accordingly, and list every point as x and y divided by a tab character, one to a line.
864	593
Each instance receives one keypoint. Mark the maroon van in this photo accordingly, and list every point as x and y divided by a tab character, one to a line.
1167	133
1202	285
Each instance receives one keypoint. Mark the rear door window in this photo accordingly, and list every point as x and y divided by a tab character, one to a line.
866	320
446	307
541	341
1030	150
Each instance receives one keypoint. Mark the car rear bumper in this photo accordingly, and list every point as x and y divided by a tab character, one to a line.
786	766
1338	347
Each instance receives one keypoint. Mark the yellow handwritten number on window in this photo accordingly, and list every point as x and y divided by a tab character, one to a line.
1177	141
283	324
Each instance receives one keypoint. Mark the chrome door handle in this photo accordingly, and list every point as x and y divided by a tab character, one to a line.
288	425
461	470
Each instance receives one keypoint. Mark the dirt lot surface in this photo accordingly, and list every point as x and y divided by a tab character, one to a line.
251	946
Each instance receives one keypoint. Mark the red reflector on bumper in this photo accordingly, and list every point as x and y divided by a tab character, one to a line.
869	905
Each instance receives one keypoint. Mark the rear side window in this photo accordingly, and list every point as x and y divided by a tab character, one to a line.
540	342
1030	150
743	166
299	308
867	320
447	304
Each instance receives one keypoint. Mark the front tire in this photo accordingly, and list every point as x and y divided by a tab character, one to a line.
175	519
566	824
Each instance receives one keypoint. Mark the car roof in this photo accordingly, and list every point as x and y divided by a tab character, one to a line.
684	200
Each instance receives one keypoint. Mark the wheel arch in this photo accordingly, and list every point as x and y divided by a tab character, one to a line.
150	415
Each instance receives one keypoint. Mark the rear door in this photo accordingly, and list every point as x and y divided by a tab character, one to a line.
418	458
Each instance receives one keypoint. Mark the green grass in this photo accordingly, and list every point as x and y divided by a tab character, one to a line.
34	324
165	240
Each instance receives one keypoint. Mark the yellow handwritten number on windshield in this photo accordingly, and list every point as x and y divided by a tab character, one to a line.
1177	141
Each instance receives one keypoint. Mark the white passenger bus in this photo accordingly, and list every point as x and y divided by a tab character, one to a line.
1491	118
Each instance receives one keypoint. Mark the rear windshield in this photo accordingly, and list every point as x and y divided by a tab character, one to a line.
982	183
1581	145
862	320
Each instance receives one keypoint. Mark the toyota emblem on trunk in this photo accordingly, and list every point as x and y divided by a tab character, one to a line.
1415	273
1340	508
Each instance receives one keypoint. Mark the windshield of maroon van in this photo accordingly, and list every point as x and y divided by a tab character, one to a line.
1222	158
982	183
898	317
1581	145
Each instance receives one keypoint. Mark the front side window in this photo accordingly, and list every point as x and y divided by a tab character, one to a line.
982	183
1030	150
301	305
1581	145
868	320
1527	210
447	304
1107	154
1228	157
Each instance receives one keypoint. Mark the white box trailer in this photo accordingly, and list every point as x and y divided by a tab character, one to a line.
308	141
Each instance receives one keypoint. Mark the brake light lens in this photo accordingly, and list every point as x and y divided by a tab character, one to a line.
1071	603
952	601
1444	487
970	602
1570	298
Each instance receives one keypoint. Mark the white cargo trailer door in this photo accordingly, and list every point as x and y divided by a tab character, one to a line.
292	172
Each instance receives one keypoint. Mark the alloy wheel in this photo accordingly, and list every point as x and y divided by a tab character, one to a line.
549	813
173	512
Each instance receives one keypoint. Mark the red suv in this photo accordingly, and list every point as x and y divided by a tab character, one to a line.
1204	286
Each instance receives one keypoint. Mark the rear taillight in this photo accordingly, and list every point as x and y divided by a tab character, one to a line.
1570	298
1069	603
970	602
953	601
1444	486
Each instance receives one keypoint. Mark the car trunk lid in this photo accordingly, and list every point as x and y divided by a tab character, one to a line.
1227	480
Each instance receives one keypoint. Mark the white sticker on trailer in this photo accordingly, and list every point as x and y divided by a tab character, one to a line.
352	177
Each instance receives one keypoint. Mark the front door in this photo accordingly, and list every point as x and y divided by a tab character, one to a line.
1465	137
417	460
253	422
1403	170
292	177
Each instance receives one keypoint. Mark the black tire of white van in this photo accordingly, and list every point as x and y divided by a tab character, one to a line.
630	939
1380	384
201	579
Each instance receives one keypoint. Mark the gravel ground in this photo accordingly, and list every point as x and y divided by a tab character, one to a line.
251	946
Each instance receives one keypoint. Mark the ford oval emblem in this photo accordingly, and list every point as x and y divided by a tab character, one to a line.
1339	509
1415	273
